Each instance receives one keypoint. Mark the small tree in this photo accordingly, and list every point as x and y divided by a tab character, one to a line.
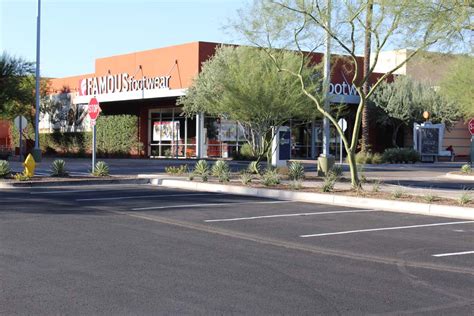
457	86
241	84
403	102
16	91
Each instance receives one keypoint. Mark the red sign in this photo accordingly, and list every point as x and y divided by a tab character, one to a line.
94	110
470	125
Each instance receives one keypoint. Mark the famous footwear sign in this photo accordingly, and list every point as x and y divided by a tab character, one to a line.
123	86
121	83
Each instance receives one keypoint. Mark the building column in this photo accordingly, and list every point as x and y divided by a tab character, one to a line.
200	135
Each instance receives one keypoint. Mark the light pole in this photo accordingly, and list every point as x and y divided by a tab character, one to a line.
325	160
37	149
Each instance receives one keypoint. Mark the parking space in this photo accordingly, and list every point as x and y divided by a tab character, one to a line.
146	248
372	234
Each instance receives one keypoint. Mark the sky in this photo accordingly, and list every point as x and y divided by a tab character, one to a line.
76	32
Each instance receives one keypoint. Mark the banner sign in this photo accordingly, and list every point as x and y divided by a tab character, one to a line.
166	131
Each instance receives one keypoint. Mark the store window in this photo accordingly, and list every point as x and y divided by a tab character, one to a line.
171	134
223	137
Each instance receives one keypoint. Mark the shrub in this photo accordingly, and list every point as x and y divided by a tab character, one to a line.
466	169
245	151
101	169
368	158
254	167
219	168
377	159
245	178
58	168
21	177
398	193
336	171
400	155
329	183
296	171
376	186
270	178
465	197
201	169
5	169
180	170
429	197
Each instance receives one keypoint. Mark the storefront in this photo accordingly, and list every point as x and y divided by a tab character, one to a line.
147	84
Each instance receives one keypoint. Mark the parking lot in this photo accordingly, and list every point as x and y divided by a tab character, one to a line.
145	249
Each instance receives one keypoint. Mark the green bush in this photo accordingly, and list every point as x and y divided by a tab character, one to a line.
400	155
296	171
245	152
466	169
101	169
270	178
368	158
179	170
5	169
58	168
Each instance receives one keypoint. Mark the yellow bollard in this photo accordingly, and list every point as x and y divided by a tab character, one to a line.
29	165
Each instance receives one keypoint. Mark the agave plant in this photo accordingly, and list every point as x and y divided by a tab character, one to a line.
270	178
221	170
296	171
4	169
101	169
202	169
58	168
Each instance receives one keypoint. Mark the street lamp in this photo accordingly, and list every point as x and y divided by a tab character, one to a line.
37	149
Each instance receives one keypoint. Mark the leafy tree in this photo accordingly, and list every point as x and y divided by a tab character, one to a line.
404	101
304	24
241	84
16	86
458	85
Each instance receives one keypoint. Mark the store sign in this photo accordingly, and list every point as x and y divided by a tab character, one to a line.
121	83
343	92
342	89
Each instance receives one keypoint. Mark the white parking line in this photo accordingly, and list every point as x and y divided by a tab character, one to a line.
385	228
64	191
454	254
207	204
144	196
283	215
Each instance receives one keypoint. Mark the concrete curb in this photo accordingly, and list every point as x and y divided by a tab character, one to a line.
332	199
30	184
454	176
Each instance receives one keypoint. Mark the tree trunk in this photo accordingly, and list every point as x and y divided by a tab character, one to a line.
394	135
353	169
365	114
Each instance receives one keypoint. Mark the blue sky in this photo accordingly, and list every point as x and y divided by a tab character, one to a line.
75	32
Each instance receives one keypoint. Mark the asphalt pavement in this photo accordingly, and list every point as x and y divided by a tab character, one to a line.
140	249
